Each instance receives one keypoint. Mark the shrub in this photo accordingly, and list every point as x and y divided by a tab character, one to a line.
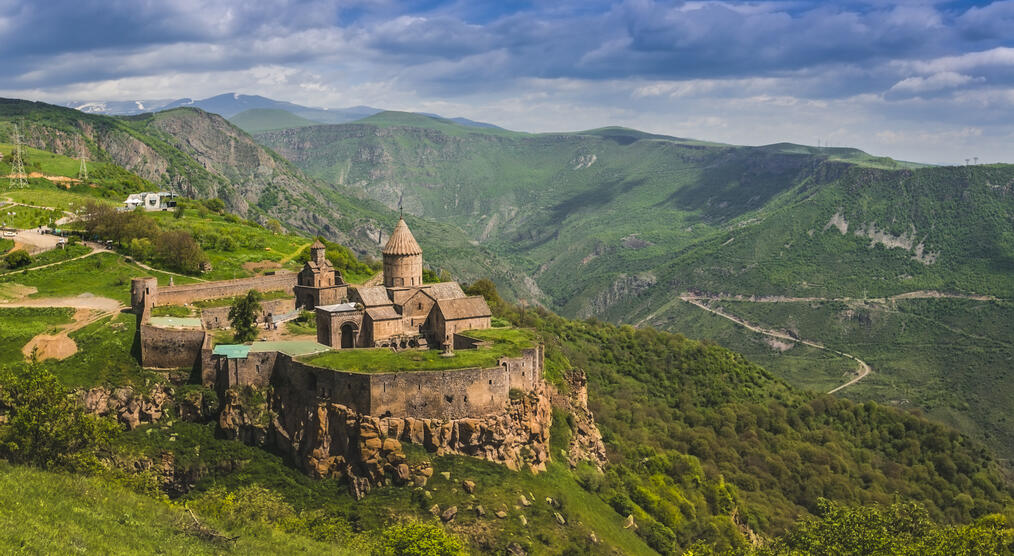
17	259
45	426
419	539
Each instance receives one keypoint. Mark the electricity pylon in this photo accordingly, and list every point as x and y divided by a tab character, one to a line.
82	173
18	175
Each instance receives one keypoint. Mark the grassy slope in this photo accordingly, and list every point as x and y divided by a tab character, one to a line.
257	120
51	513
20	324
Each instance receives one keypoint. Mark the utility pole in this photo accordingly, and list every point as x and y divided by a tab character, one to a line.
18	175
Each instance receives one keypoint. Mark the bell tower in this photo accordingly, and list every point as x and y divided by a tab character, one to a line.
402	258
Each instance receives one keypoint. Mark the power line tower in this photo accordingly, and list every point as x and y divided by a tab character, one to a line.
18	174
82	173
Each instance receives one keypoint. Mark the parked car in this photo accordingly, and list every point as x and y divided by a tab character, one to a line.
9	234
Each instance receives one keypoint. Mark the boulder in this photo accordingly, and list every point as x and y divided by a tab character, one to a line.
449	514
468	485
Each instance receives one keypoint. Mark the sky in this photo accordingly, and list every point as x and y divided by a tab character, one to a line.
922	81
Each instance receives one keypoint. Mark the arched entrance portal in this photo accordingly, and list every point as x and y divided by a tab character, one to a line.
348	335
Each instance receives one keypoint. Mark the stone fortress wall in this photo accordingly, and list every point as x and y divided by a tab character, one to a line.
145	292
450	394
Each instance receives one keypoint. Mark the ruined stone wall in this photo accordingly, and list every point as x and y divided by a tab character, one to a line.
188	293
218	317
170	348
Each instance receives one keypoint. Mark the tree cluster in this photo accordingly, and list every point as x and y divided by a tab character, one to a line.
139	235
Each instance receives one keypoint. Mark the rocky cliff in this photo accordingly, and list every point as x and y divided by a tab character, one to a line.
331	440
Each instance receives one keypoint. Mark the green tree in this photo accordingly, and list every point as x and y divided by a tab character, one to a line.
45	425
17	259
243	315
178	250
419	539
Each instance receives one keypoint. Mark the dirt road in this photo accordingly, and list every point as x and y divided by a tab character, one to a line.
864	368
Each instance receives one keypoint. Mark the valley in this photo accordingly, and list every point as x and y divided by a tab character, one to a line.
705	447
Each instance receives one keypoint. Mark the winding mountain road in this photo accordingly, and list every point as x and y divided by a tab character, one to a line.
864	368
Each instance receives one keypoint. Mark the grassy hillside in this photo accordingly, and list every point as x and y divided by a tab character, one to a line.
202	155
615	223
257	120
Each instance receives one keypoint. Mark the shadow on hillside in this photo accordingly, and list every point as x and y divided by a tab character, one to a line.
743	180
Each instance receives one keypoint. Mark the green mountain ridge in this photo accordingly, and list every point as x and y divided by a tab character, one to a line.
256	120
202	155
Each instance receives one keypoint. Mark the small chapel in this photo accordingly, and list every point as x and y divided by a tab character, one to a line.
403	313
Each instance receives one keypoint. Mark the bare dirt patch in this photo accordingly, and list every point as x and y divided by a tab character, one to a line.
59	345
261	265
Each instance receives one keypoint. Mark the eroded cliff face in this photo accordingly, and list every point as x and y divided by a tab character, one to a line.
330	440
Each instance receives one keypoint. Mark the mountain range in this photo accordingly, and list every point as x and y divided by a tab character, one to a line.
905	267
229	105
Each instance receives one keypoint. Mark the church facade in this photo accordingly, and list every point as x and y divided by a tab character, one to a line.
402	313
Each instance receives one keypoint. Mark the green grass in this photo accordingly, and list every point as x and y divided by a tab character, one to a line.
229	301
19	216
54	256
57	198
107	356
18	325
60	513
506	343
171	311
104	275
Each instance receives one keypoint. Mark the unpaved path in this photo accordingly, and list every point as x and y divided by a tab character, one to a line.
83	301
864	368
918	294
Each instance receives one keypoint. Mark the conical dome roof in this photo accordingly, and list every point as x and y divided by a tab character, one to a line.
402	242
318	244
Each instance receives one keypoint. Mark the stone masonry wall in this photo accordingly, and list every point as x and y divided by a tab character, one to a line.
453	394
170	348
188	293
218	317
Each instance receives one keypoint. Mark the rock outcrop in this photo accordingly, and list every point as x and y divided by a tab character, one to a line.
586	441
132	408
331	440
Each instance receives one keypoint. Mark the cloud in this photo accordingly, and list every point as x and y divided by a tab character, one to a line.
933	83
727	70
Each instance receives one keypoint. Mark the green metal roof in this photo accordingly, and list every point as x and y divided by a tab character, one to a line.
294	348
175	322
232	351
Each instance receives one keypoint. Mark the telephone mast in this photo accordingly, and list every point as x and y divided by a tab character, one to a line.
18	175
82	173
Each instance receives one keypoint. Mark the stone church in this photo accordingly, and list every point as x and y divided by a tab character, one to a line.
403	313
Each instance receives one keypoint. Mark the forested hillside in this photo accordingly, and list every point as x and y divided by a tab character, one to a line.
618	224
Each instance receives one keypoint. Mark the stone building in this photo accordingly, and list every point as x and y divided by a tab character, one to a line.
319	283
404	312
